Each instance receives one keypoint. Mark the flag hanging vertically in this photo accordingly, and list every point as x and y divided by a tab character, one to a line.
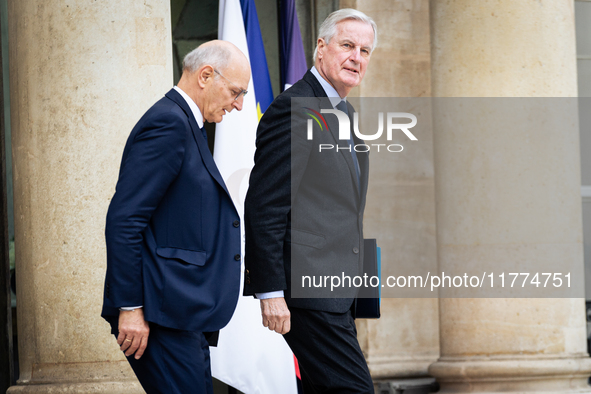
293	58
249	357
258	60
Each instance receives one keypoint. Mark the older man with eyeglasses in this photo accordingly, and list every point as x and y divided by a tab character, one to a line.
173	233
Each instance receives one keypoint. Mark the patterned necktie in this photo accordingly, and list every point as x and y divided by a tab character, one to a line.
204	132
342	106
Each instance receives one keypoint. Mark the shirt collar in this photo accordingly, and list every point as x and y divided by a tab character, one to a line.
331	92
194	108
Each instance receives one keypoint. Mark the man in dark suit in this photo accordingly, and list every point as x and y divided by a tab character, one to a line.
173	233
304	213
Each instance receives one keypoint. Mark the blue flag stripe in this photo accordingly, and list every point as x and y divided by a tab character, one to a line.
258	61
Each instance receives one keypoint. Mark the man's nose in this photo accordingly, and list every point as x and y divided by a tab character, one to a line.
238	103
355	55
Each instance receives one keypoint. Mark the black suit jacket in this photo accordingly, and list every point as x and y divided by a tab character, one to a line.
304	208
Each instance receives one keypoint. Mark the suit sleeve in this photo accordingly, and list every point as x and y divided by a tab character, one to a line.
151	162
275	177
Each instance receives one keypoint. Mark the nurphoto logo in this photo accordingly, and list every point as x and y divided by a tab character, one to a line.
345	129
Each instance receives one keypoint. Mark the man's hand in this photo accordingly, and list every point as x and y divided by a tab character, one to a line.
276	315
133	332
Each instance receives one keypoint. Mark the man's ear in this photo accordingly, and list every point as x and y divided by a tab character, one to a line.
321	44
205	75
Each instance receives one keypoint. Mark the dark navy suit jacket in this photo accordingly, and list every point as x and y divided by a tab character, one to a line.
172	232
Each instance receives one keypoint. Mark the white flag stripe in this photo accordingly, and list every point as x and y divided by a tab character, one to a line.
249	357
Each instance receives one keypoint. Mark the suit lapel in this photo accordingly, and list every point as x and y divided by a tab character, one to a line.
362	158
201	143
333	127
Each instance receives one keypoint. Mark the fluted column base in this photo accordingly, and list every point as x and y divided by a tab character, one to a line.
513	375
114	377
382	367
82	388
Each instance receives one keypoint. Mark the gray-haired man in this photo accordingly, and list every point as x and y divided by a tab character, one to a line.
328	193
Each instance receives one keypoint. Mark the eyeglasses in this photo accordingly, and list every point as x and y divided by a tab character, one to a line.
242	91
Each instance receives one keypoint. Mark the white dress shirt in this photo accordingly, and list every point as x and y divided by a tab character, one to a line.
194	108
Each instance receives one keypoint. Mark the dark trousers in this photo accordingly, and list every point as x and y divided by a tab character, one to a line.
328	352
175	362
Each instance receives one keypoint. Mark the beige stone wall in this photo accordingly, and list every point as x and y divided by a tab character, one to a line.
583	31
508	49
82	73
517	202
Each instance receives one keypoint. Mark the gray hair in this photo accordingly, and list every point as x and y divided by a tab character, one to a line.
217	56
329	27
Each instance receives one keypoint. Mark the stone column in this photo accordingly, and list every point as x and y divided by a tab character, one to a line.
405	340
510	196
81	74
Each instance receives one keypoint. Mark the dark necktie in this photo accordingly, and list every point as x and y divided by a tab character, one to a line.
342	106
204	132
